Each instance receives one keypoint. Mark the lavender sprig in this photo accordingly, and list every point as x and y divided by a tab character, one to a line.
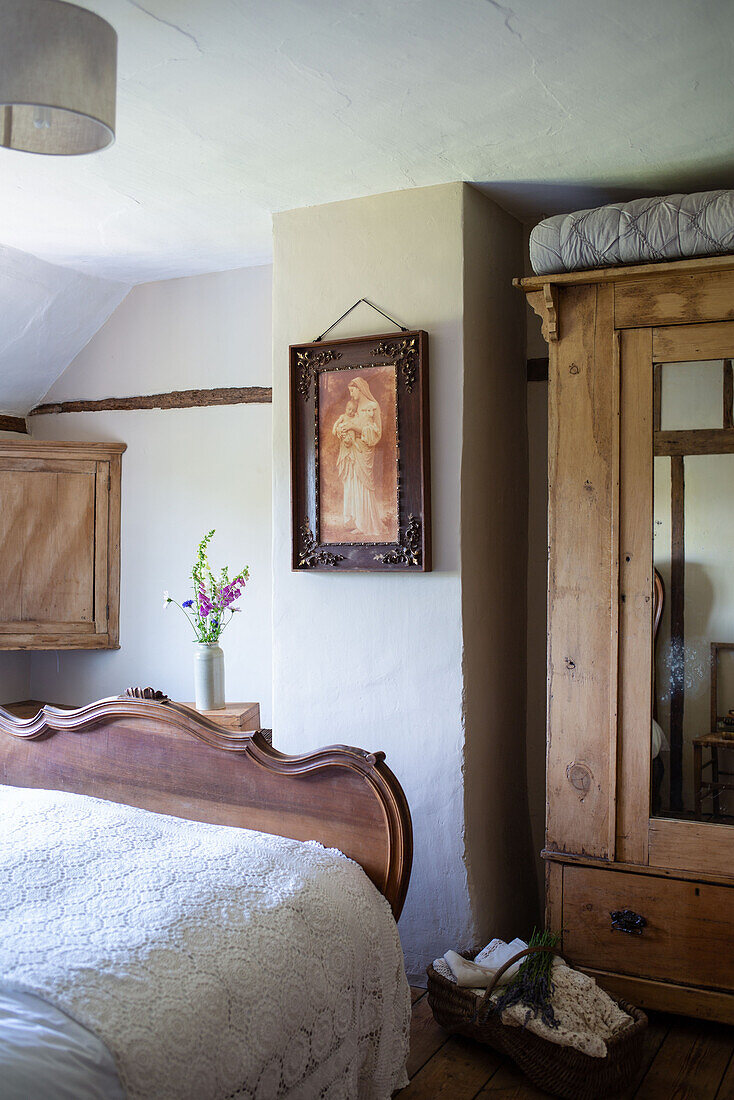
532	985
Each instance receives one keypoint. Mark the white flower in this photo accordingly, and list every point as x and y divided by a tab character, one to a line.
166	599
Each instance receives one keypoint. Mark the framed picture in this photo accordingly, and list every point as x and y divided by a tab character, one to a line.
360	480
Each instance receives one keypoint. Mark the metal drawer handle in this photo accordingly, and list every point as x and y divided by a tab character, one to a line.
625	920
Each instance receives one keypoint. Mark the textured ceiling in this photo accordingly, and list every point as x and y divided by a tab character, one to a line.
231	109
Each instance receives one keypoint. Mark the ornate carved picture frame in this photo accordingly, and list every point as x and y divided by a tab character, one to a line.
360	472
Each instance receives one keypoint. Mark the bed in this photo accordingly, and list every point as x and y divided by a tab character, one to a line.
187	912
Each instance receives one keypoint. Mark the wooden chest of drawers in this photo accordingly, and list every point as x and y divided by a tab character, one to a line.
688	936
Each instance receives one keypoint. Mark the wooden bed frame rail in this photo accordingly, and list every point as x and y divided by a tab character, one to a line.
164	757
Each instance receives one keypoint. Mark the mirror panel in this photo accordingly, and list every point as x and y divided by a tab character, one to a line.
691	395
693	553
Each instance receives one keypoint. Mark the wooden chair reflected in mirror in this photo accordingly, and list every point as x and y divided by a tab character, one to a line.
719	739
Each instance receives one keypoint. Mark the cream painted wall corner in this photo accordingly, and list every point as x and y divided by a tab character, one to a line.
378	660
184	471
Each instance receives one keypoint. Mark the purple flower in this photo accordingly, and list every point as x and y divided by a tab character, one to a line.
187	603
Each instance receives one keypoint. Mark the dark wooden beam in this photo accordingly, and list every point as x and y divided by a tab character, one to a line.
657	395
677	628
13	424
694	441
177	399
728	395
538	370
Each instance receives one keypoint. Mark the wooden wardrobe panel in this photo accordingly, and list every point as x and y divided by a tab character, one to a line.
58	559
636	592
687	936
693	343
101	535
582	597
59	545
674	299
667	997
113	549
606	850
12	529
47	536
703	846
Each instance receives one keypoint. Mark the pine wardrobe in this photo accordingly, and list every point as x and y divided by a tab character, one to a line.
640	814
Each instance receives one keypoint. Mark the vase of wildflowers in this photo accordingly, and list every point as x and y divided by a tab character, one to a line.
209	611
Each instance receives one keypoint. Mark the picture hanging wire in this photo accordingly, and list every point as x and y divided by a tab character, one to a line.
367	303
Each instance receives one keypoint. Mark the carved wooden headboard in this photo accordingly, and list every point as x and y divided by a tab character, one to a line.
161	756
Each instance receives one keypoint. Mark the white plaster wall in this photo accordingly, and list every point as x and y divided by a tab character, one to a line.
179	334
370	659
184	472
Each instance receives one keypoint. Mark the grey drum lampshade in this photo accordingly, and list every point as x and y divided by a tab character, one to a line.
58	72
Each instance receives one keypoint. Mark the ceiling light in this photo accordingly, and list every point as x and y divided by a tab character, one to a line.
58	69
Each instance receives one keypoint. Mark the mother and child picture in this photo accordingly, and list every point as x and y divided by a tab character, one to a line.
358	455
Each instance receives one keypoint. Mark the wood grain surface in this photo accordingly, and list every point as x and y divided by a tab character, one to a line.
628	273
693	343
681	1060
175	399
582	602
636	604
13	424
687	939
674	298
59	544
169	759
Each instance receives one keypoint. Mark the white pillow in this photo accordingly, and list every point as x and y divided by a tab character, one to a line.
657	738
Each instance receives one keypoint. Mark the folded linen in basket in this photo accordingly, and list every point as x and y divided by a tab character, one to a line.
586	1016
480	973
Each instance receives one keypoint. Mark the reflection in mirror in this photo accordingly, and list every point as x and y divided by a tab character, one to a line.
693	538
690	395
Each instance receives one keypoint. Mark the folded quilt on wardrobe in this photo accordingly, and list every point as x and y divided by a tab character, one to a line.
669	227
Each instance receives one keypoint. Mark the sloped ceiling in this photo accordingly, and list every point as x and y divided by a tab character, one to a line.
231	109
47	315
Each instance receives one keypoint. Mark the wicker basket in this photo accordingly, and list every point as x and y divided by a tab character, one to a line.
563	1071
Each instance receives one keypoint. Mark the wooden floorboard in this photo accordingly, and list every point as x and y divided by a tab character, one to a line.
456	1072
658	1029
426	1037
690	1064
508	1083
726	1088
682	1060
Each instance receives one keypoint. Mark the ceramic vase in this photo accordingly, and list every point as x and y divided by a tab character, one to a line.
208	676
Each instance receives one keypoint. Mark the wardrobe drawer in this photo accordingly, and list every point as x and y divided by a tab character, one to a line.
688	936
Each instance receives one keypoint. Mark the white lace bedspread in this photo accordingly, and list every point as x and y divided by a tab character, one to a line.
213	962
669	227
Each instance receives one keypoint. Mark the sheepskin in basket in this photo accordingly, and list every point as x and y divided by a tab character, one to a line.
560	1070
